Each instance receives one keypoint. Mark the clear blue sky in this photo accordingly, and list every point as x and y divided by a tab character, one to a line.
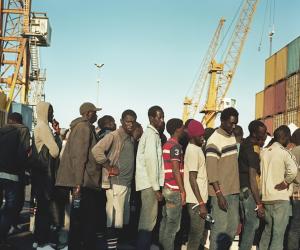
152	51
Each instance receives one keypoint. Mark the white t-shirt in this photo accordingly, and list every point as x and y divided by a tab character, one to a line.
194	160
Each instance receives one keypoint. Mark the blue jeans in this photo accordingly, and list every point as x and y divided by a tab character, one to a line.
250	220
171	217
226	222
276	218
10	211
197	228
148	217
294	230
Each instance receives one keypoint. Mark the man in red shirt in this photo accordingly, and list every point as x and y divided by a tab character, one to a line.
173	190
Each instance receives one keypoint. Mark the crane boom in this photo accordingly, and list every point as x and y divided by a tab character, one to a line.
222	74
235	48
191	105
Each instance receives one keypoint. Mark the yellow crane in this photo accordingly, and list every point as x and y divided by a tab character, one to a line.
14	50
221	74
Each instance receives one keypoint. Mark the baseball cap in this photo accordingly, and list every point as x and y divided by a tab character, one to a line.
87	106
195	128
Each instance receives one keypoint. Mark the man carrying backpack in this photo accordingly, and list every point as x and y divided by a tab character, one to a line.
14	143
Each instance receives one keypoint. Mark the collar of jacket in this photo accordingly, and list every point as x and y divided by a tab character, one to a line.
151	127
123	134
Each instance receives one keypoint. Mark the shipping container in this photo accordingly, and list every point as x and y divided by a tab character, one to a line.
279	120
281	64
292	92
259	105
269	101
269	124
293	56
3	116
26	112
280	96
270	71
293	117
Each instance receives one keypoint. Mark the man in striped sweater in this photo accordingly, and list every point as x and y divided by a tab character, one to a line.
223	179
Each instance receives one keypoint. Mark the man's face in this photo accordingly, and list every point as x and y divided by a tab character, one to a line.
180	132
128	124
112	125
261	136
50	114
229	124
199	140
158	121
92	116
285	140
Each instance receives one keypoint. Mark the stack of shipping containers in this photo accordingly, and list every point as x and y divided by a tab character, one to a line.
278	103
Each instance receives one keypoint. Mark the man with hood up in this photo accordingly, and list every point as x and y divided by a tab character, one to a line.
79	171
45	155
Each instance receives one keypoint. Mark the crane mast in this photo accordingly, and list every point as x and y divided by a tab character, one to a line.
222	75
14	50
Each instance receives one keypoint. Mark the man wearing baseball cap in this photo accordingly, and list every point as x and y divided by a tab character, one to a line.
195	184
79	171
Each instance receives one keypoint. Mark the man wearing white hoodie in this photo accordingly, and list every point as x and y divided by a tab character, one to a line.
46	154
278	171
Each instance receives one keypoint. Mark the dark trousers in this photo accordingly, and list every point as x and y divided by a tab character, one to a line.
82	233
294	230
9	211
43	220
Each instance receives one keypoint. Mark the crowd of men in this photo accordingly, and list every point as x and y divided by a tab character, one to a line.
128	179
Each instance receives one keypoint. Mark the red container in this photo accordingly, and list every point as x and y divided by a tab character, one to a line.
269	124
280	97
269	101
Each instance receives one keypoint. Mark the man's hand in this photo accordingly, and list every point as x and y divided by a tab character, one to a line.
183	198
158	195
260	211
202	210
222	202
76	191
55	126
282	186
113	171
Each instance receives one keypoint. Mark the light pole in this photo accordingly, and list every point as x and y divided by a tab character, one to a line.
99	66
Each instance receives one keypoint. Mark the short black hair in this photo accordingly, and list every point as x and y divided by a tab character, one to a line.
16	117
104	120
296	137
226	113
255	125
152	111
173	124
283	130
129	112
238	131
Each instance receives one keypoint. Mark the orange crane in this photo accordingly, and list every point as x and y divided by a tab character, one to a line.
221	73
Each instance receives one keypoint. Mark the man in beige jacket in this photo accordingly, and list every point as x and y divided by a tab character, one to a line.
278	171
116	151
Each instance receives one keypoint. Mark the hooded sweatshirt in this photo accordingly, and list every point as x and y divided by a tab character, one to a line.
42	132
77	165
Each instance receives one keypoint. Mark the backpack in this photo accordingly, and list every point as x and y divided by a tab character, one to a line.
12	155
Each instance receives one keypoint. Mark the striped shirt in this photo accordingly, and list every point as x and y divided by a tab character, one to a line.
222	163
172	151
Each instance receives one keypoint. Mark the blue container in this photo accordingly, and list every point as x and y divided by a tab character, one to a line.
26	111
294	56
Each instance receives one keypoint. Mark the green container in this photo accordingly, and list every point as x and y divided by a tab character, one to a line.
294	56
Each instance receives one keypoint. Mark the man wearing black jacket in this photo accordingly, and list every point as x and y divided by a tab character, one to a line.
14	143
